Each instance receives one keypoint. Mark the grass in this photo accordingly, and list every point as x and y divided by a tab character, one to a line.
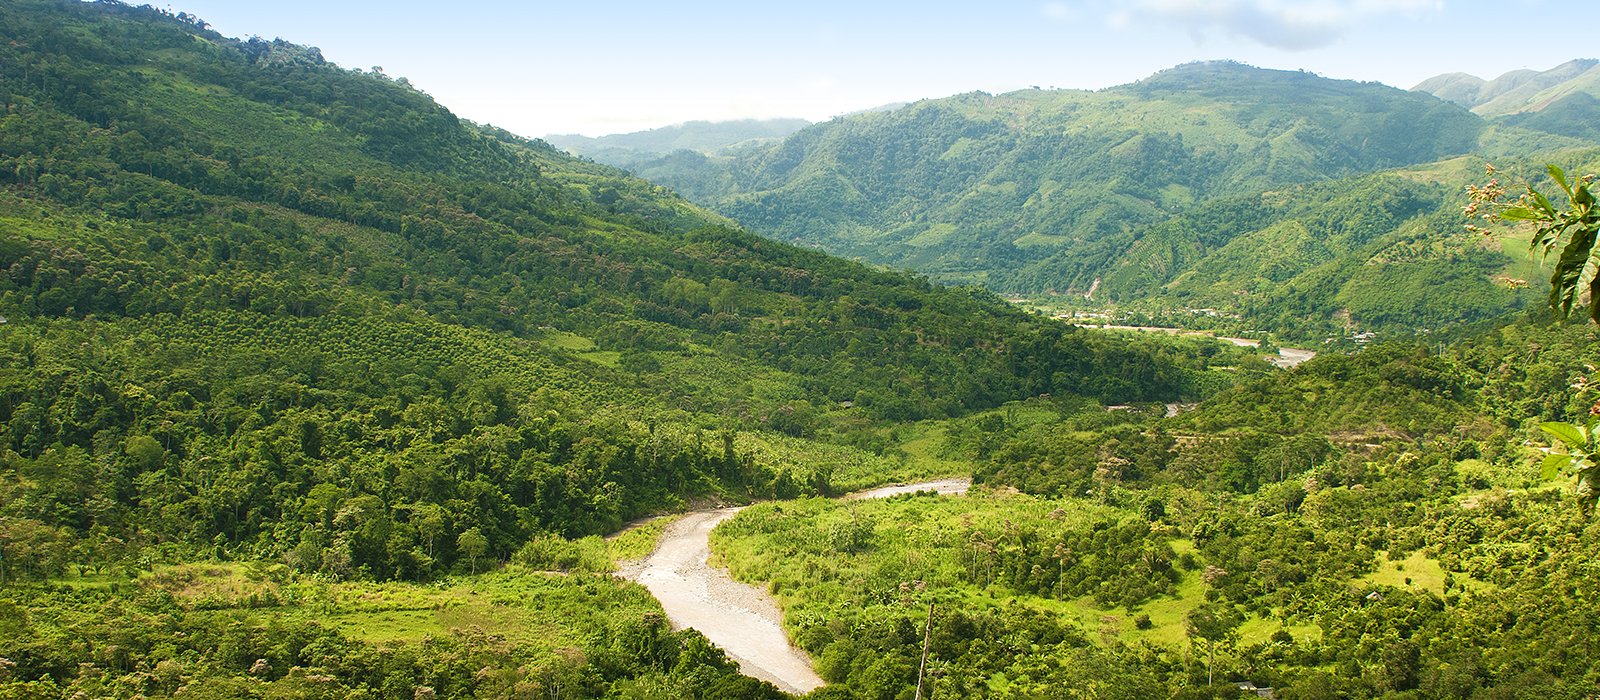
571	342
1415	571
541	610
638	541
581	346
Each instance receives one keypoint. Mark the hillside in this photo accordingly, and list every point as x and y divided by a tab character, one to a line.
1060	192
1564	100
298	245
974	186
1516	91
1370	525
1381	252
1507	93
282	342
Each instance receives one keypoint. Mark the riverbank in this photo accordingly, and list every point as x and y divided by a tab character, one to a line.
741	619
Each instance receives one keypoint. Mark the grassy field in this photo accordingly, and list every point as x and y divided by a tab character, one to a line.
540	609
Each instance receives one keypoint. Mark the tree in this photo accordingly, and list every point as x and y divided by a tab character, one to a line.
474	545
1215	624
430	520
1574	227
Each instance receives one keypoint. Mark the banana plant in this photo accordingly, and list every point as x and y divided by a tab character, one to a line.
1582	457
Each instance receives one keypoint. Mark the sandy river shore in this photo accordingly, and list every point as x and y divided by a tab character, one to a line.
740	618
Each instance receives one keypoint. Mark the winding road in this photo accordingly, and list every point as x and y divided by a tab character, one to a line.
740	618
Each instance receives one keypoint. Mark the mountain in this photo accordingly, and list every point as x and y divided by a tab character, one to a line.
1515	91
290	356
1564	100
1053	192
233	258
277	337
1380	252
973	187
704	137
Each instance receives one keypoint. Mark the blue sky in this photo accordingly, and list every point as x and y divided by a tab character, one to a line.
607	67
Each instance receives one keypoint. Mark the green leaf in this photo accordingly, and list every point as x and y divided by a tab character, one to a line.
1560	176
1547	209
1569	270
1565	432
1583	196
1551	466
1519	214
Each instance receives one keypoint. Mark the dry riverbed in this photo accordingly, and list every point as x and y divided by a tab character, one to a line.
740	618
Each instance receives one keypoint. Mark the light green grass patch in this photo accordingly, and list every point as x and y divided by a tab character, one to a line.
387	625
571	342
639	541
936	235
925	451
1415	571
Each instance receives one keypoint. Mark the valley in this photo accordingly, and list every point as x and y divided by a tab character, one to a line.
311	388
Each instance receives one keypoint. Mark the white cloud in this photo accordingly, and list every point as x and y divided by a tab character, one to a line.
1058	11
1293	25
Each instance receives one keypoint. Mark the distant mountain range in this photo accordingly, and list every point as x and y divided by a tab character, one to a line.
1563	100
705	137
1517	91
1037	192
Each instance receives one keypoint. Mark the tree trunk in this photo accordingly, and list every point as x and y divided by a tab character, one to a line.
927	635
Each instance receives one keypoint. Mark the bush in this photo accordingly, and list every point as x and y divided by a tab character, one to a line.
557	554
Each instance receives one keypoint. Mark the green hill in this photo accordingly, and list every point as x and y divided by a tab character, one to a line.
973	187
1059	195
240	281
1560	101
1511	92
284	347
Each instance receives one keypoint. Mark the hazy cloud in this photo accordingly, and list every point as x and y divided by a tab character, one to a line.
1294	25
1058	11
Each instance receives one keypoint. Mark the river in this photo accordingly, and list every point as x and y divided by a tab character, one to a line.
740	618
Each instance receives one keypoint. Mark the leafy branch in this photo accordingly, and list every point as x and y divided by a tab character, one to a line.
1573	229
1581	456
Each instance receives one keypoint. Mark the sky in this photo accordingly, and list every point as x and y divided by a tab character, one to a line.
598	67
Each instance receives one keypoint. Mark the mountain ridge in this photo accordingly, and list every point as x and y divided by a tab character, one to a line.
1515	91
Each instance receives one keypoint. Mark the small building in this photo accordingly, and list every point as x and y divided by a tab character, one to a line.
1250	687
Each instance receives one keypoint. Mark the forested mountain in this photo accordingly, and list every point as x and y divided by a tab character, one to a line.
313	390
223	249
1564	100
259	307
1040	192
1515	91
704	137
1379	252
